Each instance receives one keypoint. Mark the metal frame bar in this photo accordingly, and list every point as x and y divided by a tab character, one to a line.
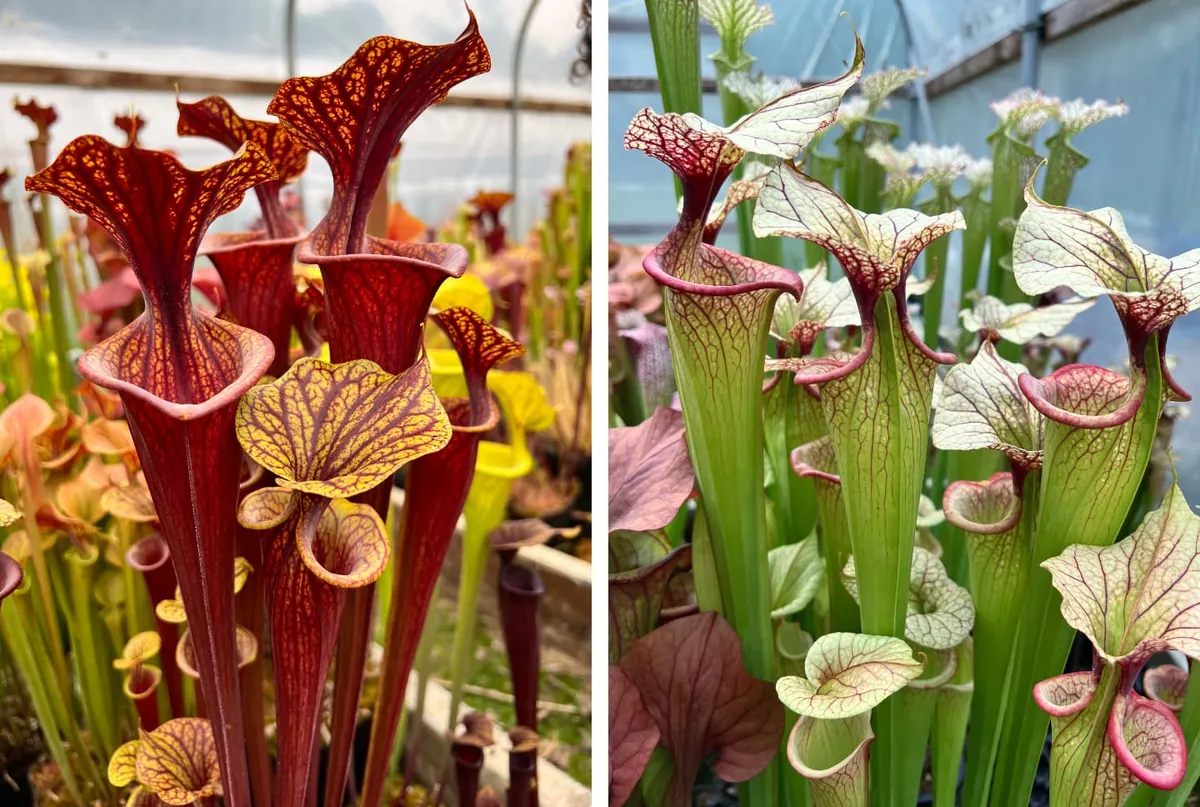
104	79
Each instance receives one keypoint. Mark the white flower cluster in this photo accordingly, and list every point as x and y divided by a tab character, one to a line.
940	165
1025	111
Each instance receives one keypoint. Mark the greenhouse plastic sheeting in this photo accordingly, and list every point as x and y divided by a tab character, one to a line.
450	153
947	32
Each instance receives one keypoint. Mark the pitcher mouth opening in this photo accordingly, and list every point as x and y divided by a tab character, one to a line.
252	354
452	259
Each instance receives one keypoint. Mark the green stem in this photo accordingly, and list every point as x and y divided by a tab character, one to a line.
675	34
793	788
475	556
850	158
1012	165
976	212
1000	571
58	308
1063	163
950	728
973	466
29	655
871	175
914	708
91	655
657	777
706	581
1089	480
791	418
935	256
878	418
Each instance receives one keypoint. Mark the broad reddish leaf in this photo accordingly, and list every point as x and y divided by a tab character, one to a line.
822	305
692	682
632	736
178	761
1020	322
940	612
649	473
1166	684
651	350
355	116
848	674
1138	596
795	571
981	406
340	430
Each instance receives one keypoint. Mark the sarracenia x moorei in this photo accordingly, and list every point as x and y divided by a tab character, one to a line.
782	529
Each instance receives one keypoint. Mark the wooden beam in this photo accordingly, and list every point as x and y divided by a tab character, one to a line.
103	79
1070	18
990	58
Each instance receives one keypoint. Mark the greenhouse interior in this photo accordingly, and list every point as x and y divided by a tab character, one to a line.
163	640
